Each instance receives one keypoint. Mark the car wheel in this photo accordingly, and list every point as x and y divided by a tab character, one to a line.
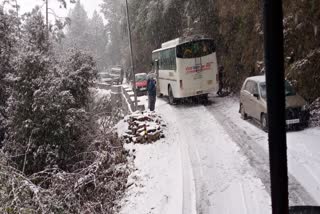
264	122
171	98
243	113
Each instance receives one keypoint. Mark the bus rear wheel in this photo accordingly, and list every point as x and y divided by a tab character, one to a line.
171	98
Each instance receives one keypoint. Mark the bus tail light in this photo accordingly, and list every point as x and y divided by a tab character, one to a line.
181	84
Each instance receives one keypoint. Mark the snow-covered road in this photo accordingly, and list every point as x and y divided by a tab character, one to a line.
223	178
303	151
218	163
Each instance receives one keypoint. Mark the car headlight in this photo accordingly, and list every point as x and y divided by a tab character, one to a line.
304	108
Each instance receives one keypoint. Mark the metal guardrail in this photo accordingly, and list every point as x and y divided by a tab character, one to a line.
103	86
129	96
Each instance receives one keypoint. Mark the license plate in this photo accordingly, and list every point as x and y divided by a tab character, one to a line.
143	88
294	121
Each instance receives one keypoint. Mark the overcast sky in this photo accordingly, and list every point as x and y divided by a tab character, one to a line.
28	5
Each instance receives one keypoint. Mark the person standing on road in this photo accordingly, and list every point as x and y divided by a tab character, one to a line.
152	92
220	78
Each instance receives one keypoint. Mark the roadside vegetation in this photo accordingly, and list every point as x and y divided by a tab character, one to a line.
55	157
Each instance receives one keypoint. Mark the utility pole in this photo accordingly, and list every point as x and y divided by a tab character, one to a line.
274	61
131	56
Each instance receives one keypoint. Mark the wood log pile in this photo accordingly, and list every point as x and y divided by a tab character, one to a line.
144	127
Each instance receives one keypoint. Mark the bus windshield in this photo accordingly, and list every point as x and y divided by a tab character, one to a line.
195	49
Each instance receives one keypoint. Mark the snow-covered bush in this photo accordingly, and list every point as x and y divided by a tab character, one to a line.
79	71
315	112
55	159
95	186
305	76
48	124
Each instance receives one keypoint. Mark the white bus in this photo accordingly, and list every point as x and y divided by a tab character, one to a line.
186	68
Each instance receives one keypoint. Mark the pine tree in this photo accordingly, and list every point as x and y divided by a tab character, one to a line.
8	31
113	11
98	41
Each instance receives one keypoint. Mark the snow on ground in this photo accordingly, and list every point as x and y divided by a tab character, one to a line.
197	168
156	184
224	180
303	150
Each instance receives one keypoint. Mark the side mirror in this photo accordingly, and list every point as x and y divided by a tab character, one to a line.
256	95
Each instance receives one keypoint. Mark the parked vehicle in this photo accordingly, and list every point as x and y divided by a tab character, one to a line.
141	83
116	73
253	103
105	77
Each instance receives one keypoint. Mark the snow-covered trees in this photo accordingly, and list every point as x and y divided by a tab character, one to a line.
236	26
88	35
47	114
54	157
8	40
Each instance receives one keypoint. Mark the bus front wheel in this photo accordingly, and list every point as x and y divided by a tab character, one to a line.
171	98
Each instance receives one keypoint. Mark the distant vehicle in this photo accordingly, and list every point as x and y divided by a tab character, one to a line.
116	73
253	103
186	67
105	77
141	83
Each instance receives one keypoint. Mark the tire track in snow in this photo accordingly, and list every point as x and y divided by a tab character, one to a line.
193	174
199	136
188	180
259	159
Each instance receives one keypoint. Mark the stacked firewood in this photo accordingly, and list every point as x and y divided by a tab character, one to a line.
144	127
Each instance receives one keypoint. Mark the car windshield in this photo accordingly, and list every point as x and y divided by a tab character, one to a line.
141	77
289	90
263	90
115	72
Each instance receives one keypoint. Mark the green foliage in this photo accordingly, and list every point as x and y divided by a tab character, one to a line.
48	124
54	150
8	32
78	76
